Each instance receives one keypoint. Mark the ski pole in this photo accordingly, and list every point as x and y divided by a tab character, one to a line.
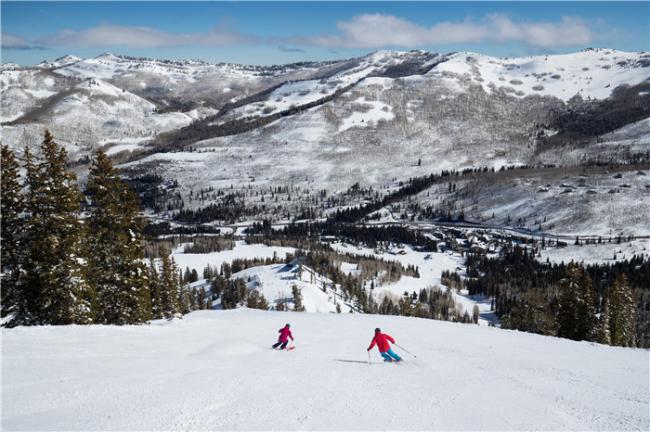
405	350
368	357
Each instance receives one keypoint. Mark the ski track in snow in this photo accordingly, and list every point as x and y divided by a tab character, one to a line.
215	370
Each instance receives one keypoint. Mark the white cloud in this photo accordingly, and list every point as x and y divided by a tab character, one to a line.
362	31
377	30
10	41
142	37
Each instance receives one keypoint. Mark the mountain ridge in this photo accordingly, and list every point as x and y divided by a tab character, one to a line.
375	120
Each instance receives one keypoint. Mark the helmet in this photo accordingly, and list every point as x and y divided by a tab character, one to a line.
377	330
288	325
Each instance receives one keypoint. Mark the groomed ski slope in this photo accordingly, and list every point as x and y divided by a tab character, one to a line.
215	370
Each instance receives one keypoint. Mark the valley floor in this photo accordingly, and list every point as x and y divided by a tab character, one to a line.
215	370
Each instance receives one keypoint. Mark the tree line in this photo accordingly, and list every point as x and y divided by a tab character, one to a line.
77	258
606	303
370	235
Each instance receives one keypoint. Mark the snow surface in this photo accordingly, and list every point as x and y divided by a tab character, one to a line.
597	253
374	111
589	73
275	282
241	251
214	370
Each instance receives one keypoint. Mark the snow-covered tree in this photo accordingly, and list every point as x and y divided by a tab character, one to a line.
585	309
297	299
256	300
566	318
169	287
55	287
604	335
577	314
12	228
115	252
155	287
622	313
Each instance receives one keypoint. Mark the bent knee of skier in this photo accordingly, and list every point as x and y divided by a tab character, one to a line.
393	355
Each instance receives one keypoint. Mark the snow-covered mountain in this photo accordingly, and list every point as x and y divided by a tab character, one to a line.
375	120
215	370
590	74
60	62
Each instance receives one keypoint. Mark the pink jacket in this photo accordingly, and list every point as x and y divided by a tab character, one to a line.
285	334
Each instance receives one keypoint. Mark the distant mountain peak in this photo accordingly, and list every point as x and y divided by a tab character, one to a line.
65	60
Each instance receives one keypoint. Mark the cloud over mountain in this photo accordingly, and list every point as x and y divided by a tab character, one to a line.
378	30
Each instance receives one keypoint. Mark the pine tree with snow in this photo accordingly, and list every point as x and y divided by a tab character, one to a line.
604	335
256	300
155	290
475	314
262	303
186	298
577	312
297	299
186	275
12	228
169	287
201	299
576	317
56	289
585	309
568	303
622	313
115	253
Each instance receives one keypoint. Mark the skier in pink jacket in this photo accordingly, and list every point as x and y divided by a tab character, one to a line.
283	339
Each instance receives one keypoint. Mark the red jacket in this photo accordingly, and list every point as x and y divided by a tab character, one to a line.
381	339
285	334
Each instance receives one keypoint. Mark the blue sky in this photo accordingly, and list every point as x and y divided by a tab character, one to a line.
281	32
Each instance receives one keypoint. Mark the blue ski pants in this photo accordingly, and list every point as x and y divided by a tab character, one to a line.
390	355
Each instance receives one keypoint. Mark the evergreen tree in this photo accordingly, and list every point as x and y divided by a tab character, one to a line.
169	287
201	299
185	300
567	313
262	304
56	290
256	300
622	313
297	299
604	336
475	314
12	228
187	275
585	310
115	267
155	291
577	313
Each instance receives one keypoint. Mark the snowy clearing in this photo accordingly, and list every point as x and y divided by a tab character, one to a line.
241	251
597	253
430	265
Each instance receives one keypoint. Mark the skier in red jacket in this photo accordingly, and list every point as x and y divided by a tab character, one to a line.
283	339
381	340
